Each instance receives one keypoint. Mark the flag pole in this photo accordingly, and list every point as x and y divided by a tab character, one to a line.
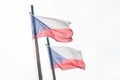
49	51
37	50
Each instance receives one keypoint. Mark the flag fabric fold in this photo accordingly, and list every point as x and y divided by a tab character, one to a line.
50	27
66	58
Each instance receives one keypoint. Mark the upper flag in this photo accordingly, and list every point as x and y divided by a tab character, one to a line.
66	58
54	28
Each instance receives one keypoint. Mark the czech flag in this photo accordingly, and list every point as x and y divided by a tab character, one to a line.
54	28
66	58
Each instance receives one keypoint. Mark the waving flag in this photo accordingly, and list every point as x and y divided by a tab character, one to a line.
54	28
66	58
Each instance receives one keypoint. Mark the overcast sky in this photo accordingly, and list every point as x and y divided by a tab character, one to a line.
96	27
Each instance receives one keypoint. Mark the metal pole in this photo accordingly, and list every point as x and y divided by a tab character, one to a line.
37	49
49	51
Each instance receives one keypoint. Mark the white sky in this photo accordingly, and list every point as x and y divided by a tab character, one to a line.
96	26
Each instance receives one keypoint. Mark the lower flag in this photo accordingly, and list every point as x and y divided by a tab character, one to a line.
66	58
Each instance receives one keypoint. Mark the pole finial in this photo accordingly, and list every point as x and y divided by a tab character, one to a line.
32	9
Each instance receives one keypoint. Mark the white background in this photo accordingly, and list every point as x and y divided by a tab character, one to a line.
96	26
